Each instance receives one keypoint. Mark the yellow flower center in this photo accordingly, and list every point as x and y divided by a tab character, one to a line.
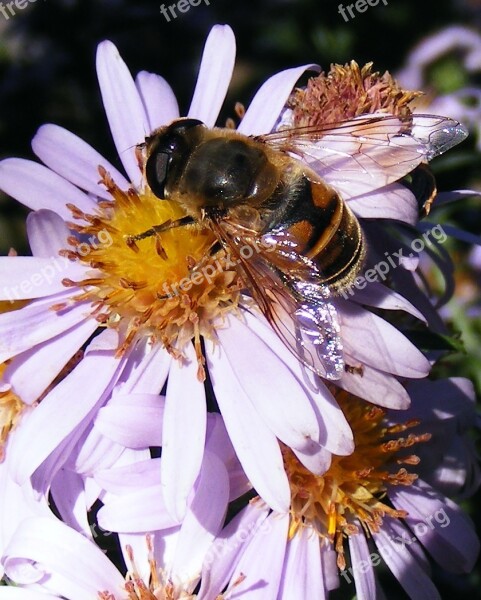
170	285
11	406
353	487
11	409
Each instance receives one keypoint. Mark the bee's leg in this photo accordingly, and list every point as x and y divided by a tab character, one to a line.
211	253
422	184
156	229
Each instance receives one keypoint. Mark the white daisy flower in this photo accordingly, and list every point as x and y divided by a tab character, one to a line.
103	280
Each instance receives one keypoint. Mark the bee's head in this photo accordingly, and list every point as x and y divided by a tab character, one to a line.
168	150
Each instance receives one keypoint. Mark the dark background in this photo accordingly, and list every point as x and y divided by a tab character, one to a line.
47	55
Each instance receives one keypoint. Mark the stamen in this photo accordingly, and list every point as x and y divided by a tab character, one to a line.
11	410
152	270
354	487
348	91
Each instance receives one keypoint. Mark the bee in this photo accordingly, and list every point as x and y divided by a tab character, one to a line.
270	192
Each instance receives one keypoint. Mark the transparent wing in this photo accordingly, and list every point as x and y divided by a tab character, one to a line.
368	152
290	294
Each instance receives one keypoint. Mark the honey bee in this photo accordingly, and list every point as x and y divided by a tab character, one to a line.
266	191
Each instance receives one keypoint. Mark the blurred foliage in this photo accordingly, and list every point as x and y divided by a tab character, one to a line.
47	74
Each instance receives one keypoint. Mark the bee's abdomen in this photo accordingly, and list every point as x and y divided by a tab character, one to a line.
325	229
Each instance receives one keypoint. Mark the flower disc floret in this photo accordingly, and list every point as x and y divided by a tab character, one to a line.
170	285
353	487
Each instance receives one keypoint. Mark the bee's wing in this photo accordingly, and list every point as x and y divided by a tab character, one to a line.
368	152
294	301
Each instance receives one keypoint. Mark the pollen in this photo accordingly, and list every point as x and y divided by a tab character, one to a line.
11	406
11	410
169	284
348	91
354	487
158	587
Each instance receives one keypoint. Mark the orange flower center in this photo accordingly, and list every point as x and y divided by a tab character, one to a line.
353	487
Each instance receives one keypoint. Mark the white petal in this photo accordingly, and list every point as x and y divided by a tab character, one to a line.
270	385
440	525
374	386
26	277
405	567
75	160
17	503
62	551
136	512
302	573
336	434
37	187
134	421
262	577
93	451
120	480
383	346
47	233
267	104
330	571
217	439
146	372
133	544
183	433
219	443
362	567
317	460
222	557
22	329
68	494
447	197
255	444
159	99
214	77
16	593
125	112
63	409
393	201
453	399
202	522
34	370
380	296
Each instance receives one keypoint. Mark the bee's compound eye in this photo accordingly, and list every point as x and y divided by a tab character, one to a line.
170	149
156	172
182	125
